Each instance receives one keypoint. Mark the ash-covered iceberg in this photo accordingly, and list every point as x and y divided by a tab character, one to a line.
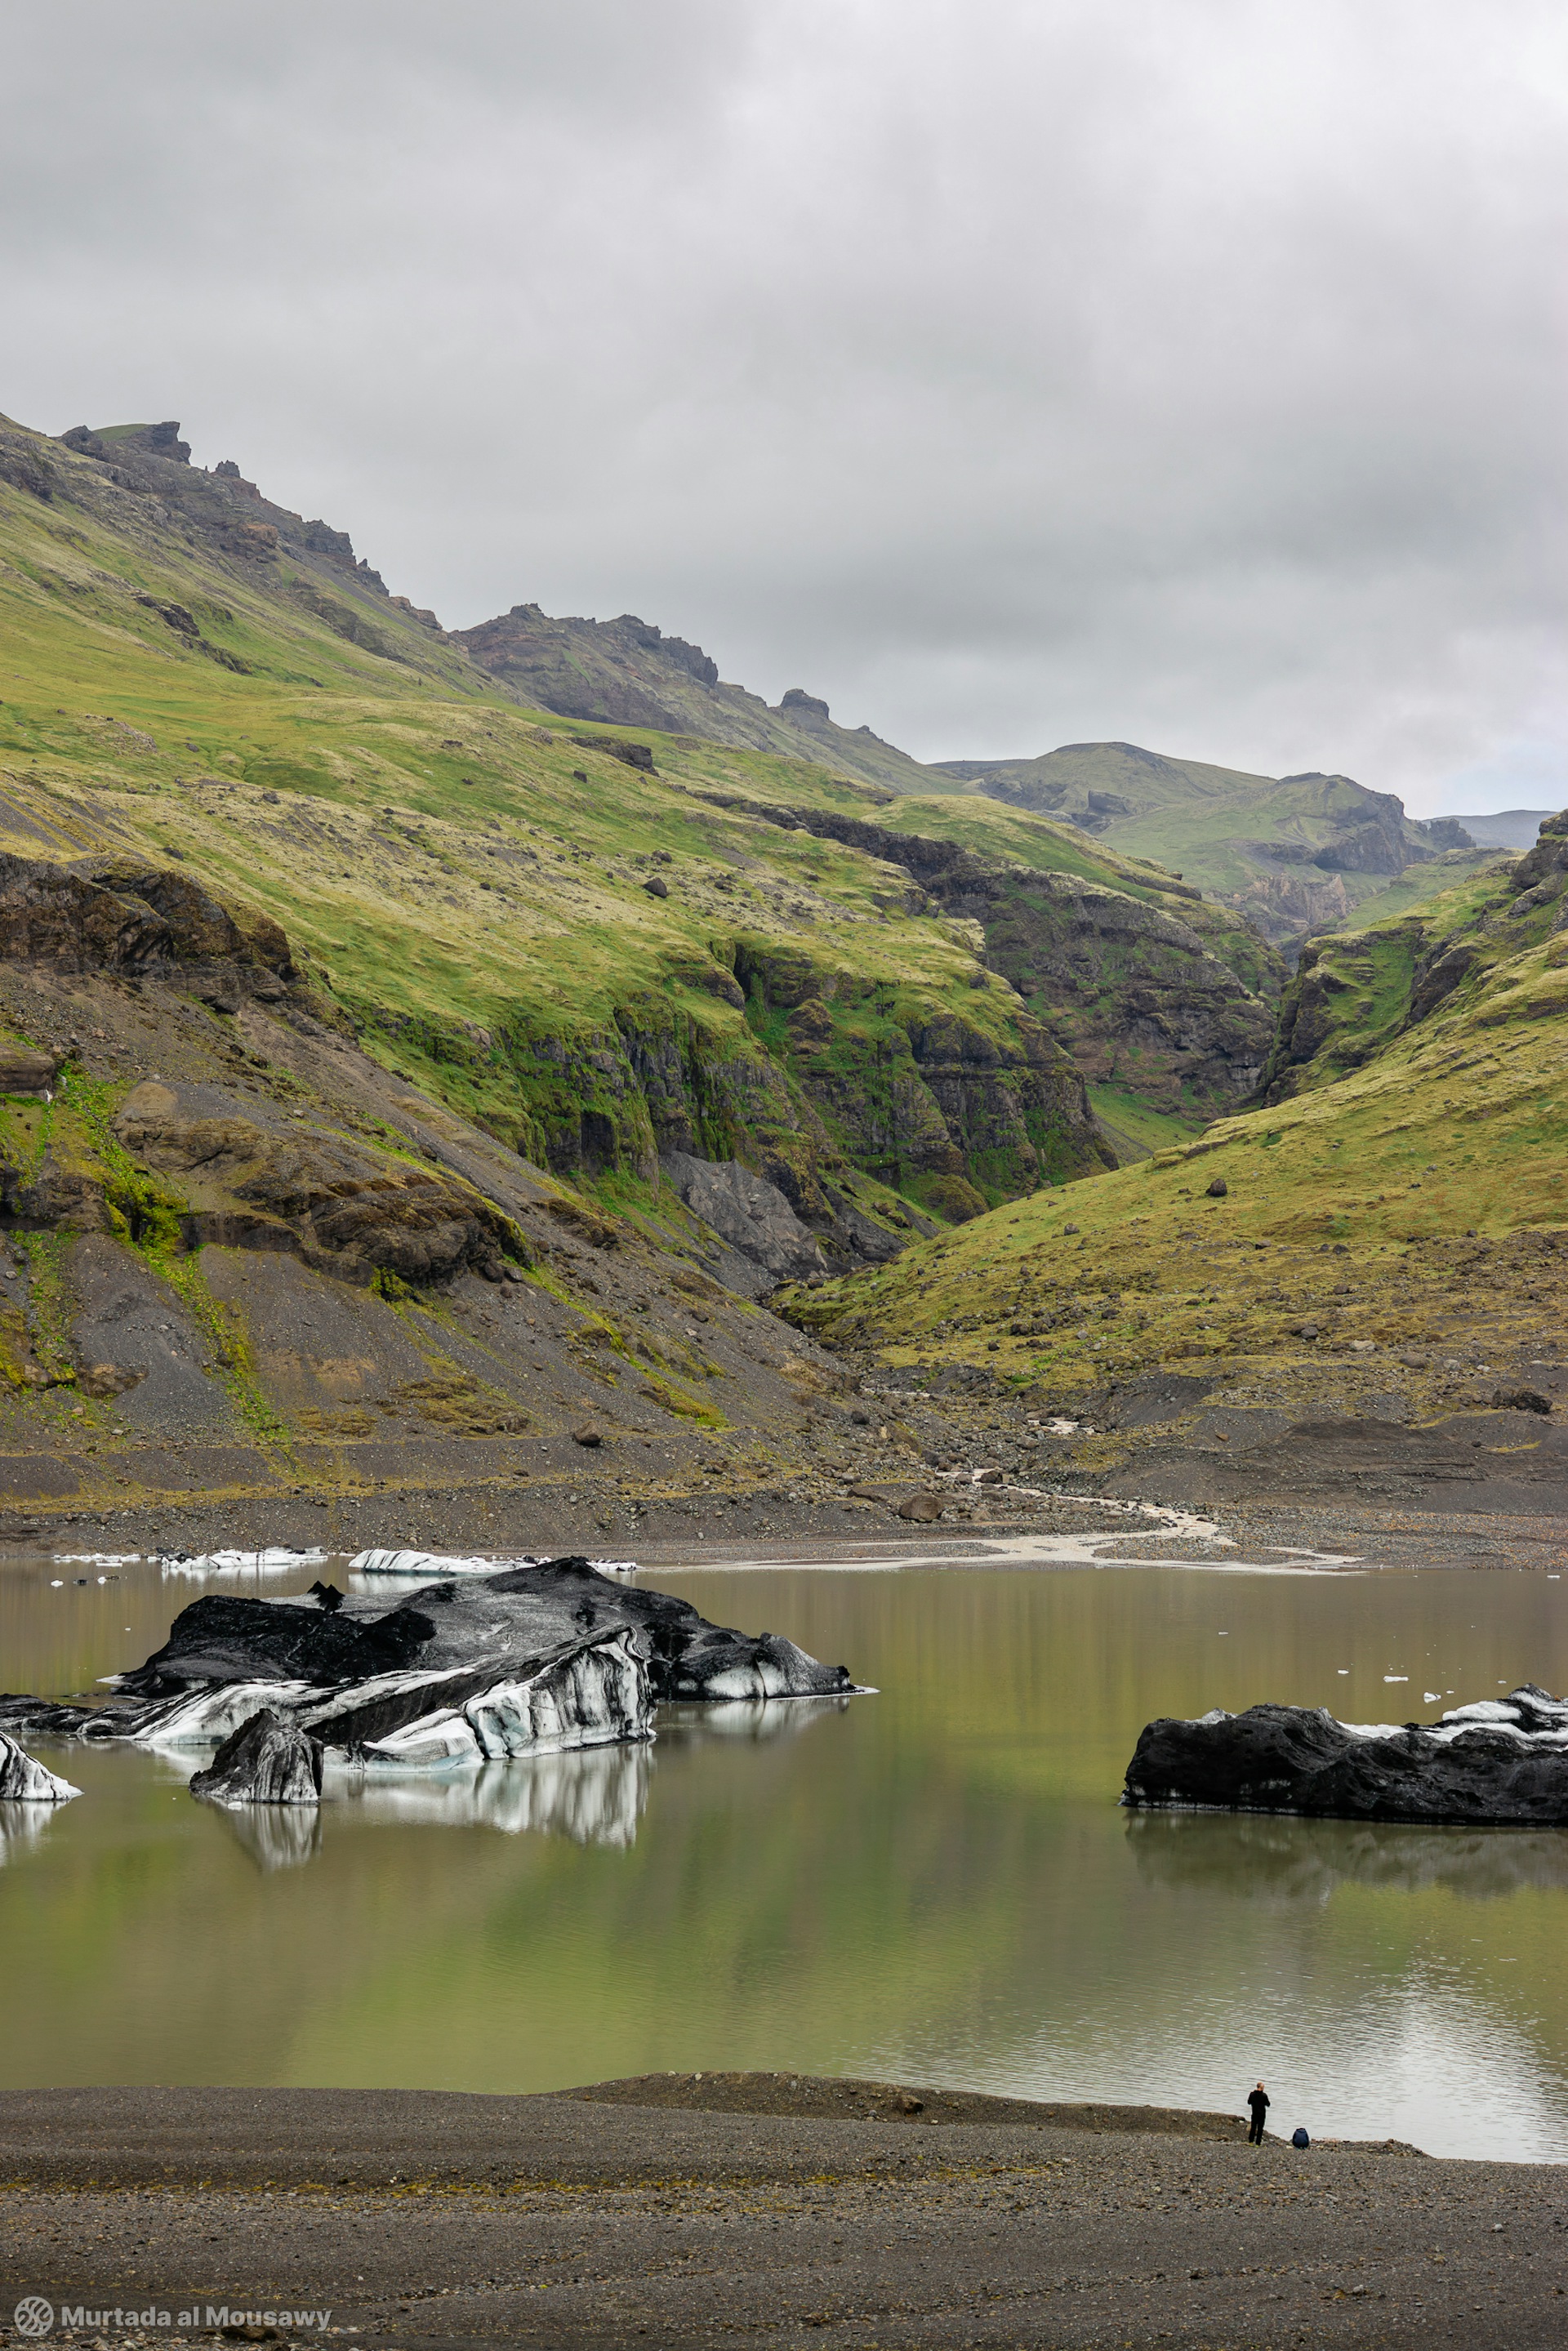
1498	1762
590	1693
463	1670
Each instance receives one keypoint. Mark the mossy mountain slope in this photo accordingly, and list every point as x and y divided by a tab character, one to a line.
569	937
1296	853
1381	1248
428	1082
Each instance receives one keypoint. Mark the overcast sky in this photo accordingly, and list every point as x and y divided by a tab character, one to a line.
1012	372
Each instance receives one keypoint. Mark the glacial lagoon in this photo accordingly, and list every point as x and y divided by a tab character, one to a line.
934	1884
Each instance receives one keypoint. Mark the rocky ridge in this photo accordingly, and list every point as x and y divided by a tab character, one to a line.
627	673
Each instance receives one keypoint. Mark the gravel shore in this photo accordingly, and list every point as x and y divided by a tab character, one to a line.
764	2208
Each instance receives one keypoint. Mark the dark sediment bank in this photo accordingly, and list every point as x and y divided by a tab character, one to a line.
757	2207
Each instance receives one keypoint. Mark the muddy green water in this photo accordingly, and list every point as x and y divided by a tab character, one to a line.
935	1884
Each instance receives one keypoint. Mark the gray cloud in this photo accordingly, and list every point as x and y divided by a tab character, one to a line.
1012	373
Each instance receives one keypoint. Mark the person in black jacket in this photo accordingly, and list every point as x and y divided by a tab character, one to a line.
1257	2100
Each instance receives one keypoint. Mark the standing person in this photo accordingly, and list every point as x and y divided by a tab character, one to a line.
1257	2100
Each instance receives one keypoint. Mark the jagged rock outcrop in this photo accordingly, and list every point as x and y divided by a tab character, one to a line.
627	673
624	673
753	1218
1496	1761
110	916
1541	875
340	1208
25	1780
268	1760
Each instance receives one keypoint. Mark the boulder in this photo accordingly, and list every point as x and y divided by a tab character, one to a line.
923	1508
25	1780
22	1071
1497	1762
268	1760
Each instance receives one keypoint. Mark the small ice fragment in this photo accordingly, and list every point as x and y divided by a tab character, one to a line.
56	1583
1430	1697
1342	1669
1395	1677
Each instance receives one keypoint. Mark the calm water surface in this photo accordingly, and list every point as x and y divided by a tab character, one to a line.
934	1884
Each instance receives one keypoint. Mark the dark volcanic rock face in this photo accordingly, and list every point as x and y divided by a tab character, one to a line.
1497	1763
134	919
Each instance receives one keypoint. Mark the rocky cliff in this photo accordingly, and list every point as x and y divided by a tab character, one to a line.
627	673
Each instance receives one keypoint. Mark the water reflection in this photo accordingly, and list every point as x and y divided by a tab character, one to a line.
1251	1857
750	1719
21	1825
275	1836
594	1795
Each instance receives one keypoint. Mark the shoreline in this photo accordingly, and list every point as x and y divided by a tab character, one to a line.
735	2125
623	2212
1064	1529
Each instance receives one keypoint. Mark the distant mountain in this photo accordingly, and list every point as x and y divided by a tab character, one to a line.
1296	853
627	673
1504	828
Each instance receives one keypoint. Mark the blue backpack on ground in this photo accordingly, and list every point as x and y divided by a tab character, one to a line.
1299	2137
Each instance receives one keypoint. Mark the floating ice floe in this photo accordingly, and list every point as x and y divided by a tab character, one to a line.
271	1560
424	1563
593	1696
268	1760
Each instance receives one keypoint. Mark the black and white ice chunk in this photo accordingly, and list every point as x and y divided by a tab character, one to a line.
530	1660
25	1780
270	1760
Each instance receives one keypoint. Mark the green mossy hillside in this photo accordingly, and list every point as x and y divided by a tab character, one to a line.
1333	1237
557	932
